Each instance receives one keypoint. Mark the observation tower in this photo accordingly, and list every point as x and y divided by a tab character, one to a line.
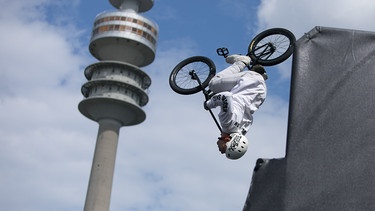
122	41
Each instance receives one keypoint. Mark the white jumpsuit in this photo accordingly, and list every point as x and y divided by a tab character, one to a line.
239	94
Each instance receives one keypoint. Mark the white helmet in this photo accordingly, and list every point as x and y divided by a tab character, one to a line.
237	146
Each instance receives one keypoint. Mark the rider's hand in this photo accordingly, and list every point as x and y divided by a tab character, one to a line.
222	142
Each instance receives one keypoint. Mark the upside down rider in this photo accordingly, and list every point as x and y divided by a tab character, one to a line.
239	93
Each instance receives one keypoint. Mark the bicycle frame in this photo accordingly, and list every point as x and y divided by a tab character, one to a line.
269	49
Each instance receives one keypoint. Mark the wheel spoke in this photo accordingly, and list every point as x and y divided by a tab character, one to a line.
271	46
184	78
279	43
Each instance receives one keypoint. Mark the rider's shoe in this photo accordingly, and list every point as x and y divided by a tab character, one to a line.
236	57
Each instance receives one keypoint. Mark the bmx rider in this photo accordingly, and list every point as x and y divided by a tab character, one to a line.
239	94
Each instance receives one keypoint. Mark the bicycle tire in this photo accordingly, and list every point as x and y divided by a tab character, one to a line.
182	82
281	42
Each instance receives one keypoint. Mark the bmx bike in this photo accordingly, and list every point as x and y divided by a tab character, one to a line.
268	48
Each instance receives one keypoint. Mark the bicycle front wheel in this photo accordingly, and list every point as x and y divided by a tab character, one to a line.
272	46
182	78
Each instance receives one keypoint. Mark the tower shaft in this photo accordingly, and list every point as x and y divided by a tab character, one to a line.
103	165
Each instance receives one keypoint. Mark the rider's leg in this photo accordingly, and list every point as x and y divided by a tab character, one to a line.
228	78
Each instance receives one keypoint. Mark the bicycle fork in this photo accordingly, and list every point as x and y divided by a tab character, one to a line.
194	76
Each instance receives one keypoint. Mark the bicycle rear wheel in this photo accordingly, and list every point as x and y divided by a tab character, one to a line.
272	46
181	79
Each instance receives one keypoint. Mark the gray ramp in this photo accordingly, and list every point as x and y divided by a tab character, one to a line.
269	180
330	158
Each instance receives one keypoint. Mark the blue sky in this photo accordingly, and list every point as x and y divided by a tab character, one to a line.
169	162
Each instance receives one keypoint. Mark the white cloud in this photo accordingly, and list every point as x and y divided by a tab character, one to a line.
302	15
40	76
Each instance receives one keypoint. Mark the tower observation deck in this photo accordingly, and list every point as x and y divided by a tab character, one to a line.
122	41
